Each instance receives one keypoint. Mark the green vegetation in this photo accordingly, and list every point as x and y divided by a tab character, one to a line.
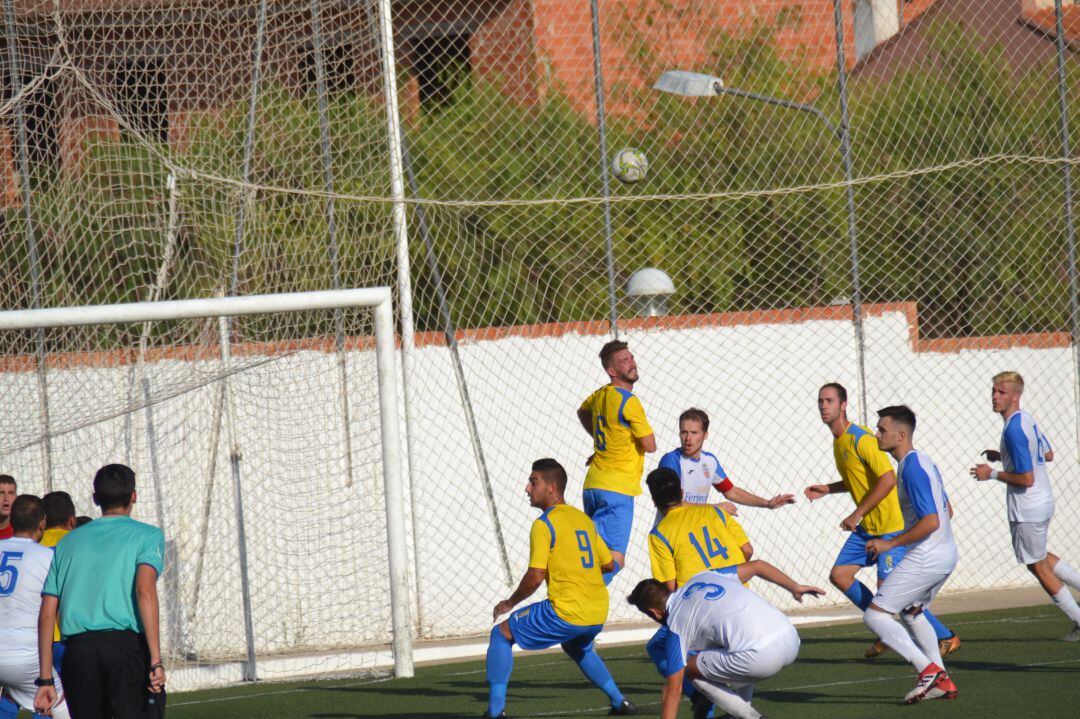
981	248
1012	664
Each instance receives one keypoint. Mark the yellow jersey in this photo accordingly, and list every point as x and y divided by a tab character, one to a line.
861	464
563	541
692	538
52	536
618	421
49	539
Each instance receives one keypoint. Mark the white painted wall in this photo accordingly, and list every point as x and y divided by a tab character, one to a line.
316	544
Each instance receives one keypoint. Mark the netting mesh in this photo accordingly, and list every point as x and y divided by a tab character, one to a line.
177	149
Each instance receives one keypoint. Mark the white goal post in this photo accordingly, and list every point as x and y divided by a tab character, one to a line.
379	299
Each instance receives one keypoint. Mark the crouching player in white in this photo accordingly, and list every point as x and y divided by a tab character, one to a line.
930	559
740	639
1029	497
24	564
566	550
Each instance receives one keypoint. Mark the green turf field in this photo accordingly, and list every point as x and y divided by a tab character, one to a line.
1011	665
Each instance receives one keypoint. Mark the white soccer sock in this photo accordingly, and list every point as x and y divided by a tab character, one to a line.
1065	602
726	699
923	634
893	634
1067	574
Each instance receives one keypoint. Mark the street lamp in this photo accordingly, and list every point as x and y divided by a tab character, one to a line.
696	84
649	289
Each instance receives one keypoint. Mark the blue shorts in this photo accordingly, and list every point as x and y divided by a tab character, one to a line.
854	552
613	515
537	626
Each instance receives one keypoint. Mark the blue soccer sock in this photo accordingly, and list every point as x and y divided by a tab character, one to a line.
942	631
593	667
608	576
500	662
859	594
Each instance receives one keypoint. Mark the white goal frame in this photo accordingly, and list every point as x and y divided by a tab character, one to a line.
379	299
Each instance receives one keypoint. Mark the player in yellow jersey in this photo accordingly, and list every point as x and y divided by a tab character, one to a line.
59	520
614	418
688	539
867	475
566	550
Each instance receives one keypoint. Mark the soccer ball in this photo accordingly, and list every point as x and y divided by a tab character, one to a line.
629	165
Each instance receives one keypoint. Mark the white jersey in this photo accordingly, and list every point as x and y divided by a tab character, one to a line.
23	566
714	611
698	476
1023	449
921	492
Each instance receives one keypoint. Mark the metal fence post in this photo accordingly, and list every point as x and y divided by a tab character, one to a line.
605	180
331	231
1070	230
21	141
849	194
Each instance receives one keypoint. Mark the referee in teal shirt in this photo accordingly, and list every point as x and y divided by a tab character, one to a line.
103	582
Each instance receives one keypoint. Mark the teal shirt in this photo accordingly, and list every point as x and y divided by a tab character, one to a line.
93	574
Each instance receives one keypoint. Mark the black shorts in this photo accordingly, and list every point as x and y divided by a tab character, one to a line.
106	674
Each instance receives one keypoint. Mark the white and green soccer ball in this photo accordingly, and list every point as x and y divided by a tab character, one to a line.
629	165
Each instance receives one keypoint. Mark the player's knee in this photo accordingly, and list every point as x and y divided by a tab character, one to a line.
501	633
841	578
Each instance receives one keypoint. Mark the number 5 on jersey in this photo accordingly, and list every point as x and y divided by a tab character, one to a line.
8	573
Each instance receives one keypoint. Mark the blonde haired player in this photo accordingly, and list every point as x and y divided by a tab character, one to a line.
1029	499
614	418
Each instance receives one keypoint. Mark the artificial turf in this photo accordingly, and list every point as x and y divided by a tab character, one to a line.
1012	664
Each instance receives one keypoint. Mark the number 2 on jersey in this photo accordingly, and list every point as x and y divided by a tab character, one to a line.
8	573
585	546
712	547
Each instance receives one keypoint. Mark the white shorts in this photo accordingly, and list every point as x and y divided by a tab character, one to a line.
739	669
18	680
1029	540
909	586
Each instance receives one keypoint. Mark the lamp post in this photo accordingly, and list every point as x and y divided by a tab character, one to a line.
696	84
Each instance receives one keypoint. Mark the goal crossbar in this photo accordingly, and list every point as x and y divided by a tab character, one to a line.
379	299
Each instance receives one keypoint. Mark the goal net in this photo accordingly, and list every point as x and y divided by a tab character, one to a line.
263	432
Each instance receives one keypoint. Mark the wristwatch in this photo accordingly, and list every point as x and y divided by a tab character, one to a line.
40	682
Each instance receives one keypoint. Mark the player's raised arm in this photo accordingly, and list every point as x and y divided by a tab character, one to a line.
817	491
749	499
761	568
584	415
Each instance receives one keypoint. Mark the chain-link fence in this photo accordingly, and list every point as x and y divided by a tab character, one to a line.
892	211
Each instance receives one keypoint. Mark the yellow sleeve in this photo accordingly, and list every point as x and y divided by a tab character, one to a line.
876	461
603	553
540	541
737	532
661	559
634	414
587	404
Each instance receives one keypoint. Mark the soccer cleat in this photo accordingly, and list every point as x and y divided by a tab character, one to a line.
485	715
927	679
948	646
627	708
943	688
876	649
1073	636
